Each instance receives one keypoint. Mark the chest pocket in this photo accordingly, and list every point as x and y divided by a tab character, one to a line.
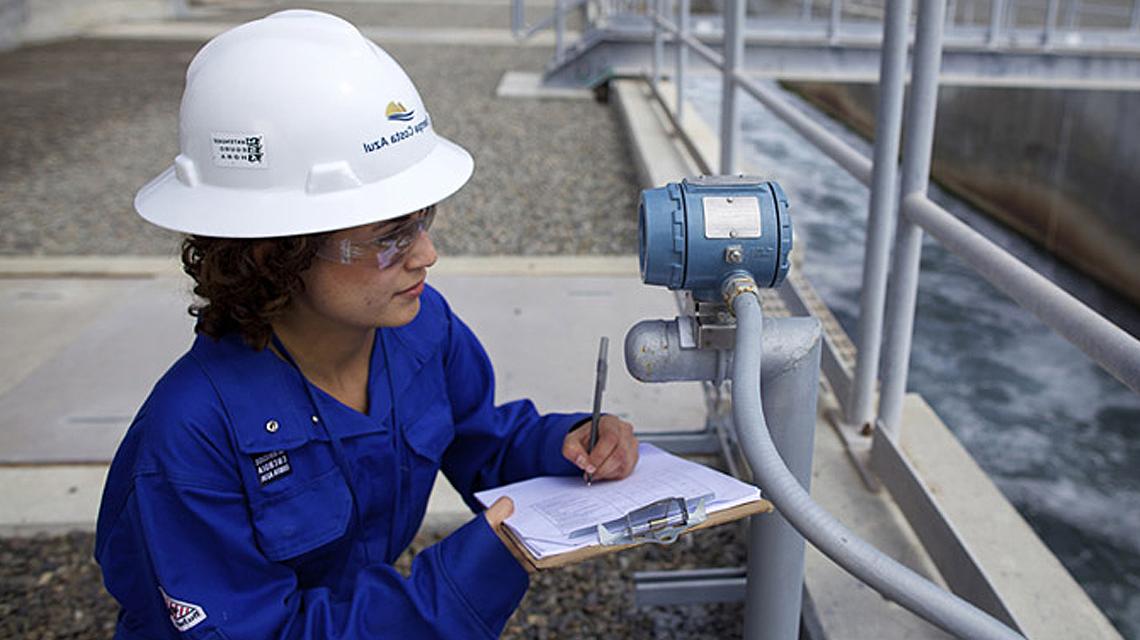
430	432
298	497
307	516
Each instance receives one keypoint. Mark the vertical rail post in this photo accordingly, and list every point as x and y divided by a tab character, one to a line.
516	17
881	218
682	54
1051	11
658	42
805	10
1072	13
997	13
1136	15
951	12
559	29
734	12
919	141
833	22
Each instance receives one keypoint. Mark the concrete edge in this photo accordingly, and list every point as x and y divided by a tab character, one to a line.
528	84
1032	583
201	31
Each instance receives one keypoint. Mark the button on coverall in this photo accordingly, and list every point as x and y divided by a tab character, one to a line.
246	503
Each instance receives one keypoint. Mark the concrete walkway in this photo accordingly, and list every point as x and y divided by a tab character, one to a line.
83	350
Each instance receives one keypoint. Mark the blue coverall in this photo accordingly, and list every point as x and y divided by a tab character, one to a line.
245	502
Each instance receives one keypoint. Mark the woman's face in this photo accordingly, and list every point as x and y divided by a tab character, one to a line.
362	295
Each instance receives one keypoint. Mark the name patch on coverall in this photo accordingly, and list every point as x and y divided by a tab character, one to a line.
272	466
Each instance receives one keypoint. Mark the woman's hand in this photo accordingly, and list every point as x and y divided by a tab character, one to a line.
495	514
614	455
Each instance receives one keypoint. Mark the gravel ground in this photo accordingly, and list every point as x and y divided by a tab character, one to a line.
50	589
87	122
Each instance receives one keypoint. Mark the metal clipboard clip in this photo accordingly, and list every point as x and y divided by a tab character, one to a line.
659	522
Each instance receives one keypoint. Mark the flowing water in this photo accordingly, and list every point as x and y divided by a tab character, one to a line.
1055	433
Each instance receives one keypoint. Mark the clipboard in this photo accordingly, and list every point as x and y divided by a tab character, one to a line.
533	564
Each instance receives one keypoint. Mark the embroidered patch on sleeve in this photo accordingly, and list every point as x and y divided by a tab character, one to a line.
272	466
183	615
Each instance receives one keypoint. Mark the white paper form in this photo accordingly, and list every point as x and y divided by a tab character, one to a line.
548	509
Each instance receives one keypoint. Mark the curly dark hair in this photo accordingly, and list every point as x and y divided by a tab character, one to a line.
244	283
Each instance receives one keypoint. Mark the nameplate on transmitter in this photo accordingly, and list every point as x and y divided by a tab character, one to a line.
732	217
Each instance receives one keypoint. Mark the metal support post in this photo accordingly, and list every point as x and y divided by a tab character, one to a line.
1051	11
682	55
517	9
833	22
997	13
559	29
789	372
734	13
1136	15
919	140
658	42
805	10
774	593
1072	14
881	219
951	12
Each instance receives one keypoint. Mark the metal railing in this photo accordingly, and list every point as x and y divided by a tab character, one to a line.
1111	347
889	290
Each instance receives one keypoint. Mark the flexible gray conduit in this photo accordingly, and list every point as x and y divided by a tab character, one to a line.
827	534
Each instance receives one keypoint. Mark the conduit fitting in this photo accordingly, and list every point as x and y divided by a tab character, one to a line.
735	285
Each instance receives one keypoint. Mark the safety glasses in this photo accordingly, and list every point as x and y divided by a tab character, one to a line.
385	249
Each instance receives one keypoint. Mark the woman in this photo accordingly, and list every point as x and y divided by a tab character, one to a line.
279	467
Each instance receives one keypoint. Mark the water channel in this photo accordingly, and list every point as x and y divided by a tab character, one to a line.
1053	430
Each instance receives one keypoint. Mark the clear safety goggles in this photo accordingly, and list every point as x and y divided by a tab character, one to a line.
386	249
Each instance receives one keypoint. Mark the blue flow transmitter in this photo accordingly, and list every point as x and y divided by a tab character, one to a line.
697	233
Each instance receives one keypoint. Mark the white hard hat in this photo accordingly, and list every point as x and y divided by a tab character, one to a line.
296	123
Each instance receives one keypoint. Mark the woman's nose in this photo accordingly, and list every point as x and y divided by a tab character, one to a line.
423	253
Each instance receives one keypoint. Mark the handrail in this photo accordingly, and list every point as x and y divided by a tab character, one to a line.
1102	346
1112	347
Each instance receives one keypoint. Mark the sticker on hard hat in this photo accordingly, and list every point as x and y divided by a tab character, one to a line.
245	150
398	137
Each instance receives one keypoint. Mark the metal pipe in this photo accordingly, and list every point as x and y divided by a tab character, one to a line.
559	29
1136	15
1051	11
919	141
788	493
658	43
1072	13
517	18
733	54
682	55
881	217
997	12
833	21
1109	345
704	51
844	154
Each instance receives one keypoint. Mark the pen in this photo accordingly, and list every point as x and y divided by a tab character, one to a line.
599	387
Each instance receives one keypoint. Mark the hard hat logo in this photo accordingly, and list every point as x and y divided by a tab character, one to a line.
245	151
397	111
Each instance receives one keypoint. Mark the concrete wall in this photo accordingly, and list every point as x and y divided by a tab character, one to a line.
1061	167
29	21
